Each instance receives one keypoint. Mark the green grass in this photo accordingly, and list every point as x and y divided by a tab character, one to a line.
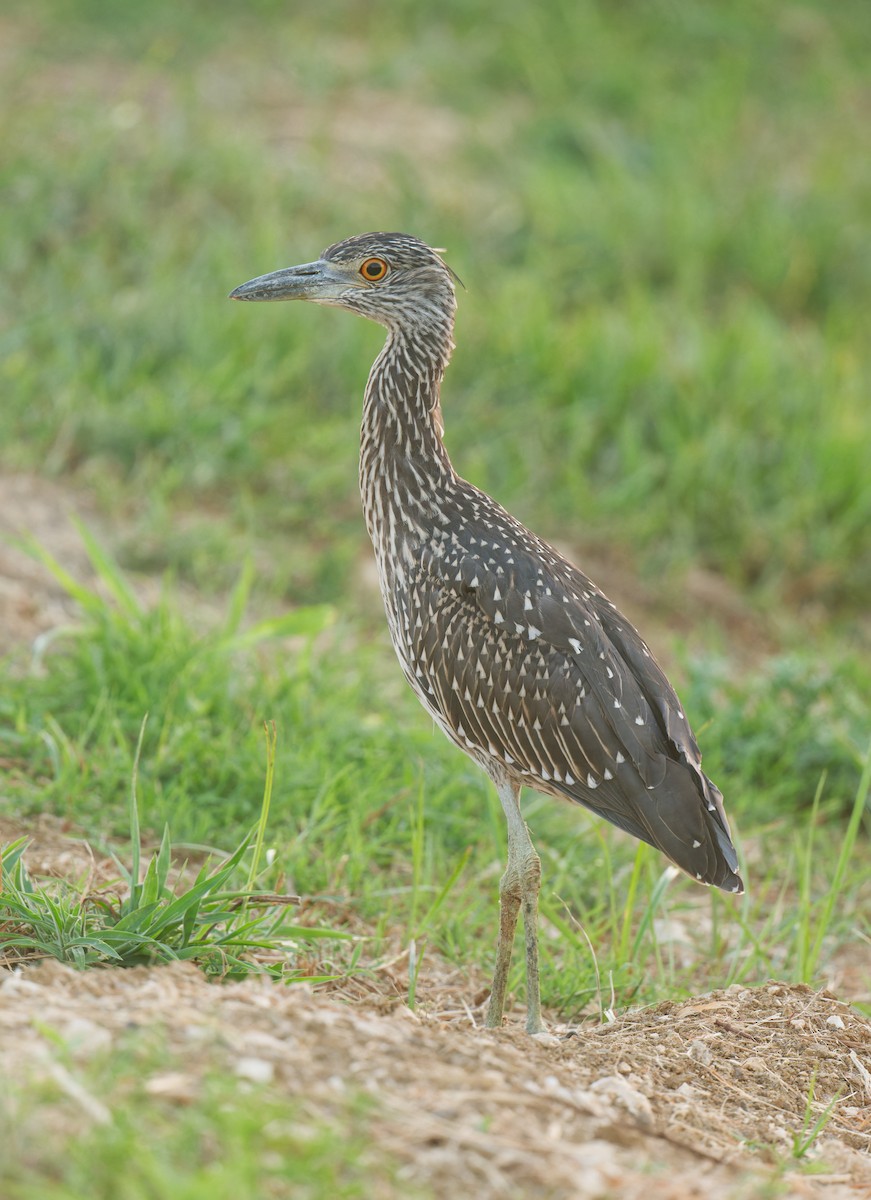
377	810
660	214
153	917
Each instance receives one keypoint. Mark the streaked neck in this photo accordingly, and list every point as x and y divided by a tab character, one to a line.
404	467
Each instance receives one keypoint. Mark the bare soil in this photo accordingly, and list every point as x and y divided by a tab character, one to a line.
31	600
701	1099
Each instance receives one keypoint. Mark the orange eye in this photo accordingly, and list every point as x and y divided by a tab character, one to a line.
373	269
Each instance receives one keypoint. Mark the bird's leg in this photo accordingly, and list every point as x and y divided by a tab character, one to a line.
531	885
519	888
509	906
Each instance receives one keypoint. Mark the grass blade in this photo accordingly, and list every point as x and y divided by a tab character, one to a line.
271	743
110	574
848	843
135	835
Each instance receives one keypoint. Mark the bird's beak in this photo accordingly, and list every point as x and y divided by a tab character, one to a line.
318	281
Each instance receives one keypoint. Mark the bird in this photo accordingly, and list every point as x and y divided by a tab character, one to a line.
516	654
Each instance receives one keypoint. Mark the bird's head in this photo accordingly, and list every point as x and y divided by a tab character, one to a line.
391	278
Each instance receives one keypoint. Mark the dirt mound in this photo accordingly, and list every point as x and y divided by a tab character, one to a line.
681	1100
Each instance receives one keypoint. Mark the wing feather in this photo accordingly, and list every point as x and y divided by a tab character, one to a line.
525	662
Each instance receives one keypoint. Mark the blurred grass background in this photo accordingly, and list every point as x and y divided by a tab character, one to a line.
660	211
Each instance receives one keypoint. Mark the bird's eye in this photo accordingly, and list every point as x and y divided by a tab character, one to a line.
373	269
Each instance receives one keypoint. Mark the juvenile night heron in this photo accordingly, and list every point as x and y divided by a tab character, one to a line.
523	662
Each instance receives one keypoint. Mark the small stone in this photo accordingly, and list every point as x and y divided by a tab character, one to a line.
175	1086
623	1095
257	1070
16	982
755	1063
835	1021
700	1052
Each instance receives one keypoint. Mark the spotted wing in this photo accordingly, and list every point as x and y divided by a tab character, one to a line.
530	665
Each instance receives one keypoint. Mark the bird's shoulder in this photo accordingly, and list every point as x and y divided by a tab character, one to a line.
512	578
